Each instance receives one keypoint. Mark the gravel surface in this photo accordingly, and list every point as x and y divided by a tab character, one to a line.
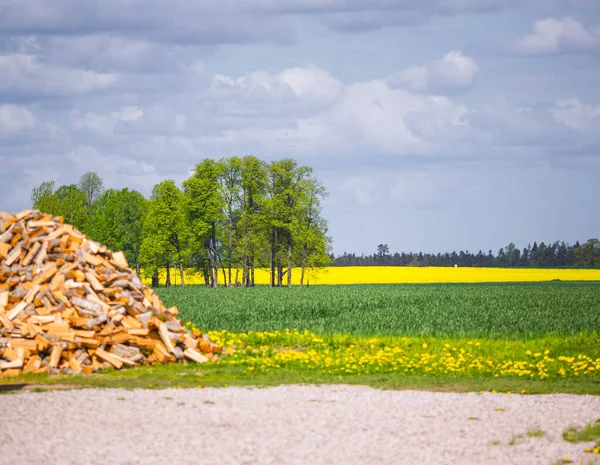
288	425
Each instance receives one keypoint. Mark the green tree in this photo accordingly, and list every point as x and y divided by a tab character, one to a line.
116	221
44	199
92	187
588	254
204	208
165	231
283	191
230	189
71	206
383	250
251	231
311	230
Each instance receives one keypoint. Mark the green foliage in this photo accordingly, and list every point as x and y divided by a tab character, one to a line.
117	218
165	230
204	208
44	199
237	213
92	187
71	206
588	254
68	201
509	311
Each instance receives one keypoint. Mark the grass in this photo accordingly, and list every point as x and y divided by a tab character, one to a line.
506	311
535	433
588	433
533	338
217	376
544	358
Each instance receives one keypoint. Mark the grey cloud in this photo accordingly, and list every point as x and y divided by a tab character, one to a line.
184	21
215	21
364	15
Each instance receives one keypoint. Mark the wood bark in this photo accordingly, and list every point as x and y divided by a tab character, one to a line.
168	281
80	307
289	264
181	274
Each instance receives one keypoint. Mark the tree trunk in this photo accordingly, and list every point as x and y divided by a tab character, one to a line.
223	270
137	269
181	274
289	264
303	265
230	247
155	279
168	282
272	260
208	269
216	269
279	273
252	270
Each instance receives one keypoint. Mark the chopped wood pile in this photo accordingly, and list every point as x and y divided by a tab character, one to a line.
70	305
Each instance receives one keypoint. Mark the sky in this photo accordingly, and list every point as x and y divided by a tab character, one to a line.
435	125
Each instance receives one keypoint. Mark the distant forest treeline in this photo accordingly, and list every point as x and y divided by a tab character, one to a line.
228	218
557	254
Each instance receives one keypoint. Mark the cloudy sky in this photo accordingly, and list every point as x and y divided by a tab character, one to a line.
434	124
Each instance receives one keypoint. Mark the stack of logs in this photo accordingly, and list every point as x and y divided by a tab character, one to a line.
70	305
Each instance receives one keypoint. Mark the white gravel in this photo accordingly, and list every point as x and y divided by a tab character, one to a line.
287	425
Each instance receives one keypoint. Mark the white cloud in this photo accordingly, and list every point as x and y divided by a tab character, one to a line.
308	84
454	71
320	116
24	74
127	113
552	36
14	119
370	116
580	116
106	124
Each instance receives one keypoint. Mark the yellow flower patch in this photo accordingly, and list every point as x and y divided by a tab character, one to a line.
291	349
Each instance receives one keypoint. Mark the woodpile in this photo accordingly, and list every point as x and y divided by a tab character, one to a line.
70	305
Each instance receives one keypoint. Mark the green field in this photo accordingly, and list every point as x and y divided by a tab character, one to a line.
506	311
527	338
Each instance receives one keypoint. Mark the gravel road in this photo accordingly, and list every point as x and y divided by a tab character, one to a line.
288	425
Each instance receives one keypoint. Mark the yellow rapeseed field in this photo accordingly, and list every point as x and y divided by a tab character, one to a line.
403	274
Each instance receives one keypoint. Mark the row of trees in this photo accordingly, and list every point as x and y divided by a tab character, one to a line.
556	254
228	218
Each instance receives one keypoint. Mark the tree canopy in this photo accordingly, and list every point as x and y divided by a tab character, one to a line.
229	217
